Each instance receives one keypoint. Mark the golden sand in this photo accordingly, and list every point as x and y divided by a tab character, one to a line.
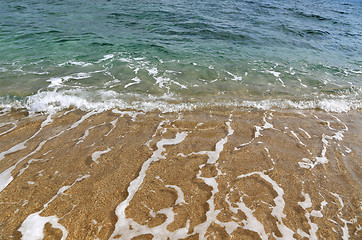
233	174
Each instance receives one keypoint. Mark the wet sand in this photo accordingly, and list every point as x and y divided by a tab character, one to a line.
211	173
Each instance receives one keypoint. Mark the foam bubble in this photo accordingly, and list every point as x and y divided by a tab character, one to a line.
105	57
328	105
57	81
33	226
96	155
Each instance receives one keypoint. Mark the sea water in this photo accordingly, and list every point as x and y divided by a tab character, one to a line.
173	55
180	119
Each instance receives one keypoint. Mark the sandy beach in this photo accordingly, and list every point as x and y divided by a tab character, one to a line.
211	173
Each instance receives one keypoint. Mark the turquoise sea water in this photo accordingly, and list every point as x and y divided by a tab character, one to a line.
98	54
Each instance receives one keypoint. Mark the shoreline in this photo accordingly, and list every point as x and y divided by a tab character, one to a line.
230	173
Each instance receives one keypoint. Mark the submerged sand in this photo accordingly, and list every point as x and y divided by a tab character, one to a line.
212	173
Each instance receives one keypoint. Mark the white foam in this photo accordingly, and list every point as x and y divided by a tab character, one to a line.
132	114
328	105
277	75
307	203
21	146
86	133
180	195
267	125
214	155
33	226
326	139
258	130
10	129
344	228
127	227
152	71
50	102
278	209
251	222
105	57
295	135
135	80
96	155
83	118
114	124
306	133
78	63
57	81
271	159
211	214
92	99
17	147
6	176
300	81
235	77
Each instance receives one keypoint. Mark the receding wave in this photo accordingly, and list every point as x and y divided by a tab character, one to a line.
52	101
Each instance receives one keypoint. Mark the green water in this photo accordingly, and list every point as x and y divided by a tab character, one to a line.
56	54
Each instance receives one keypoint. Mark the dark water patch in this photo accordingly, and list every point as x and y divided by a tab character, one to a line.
314	32
312	16
36	34
117	15
340	12
102	44
194	25
63	40
304	33
19	8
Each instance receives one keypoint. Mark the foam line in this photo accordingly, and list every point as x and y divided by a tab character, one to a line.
295	135
114	124
123	223
211	214
307	203
326	139
6	176
277	76
251	223
132	114
306	133
96	155
86	133
106	57
135	80
180	195
271	159
56	82
33	226
344	228
21	146
235	77
258	129
83	118
213	156
278	209
9	130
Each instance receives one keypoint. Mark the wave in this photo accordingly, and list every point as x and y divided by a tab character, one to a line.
103	100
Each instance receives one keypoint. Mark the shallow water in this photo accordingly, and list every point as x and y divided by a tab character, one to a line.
180	120
212	173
